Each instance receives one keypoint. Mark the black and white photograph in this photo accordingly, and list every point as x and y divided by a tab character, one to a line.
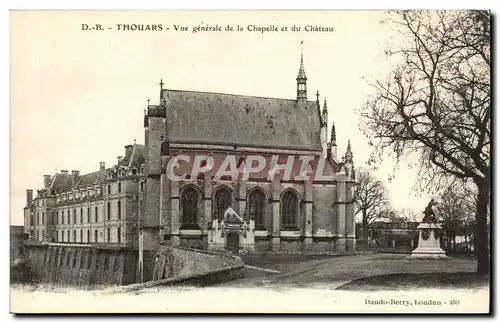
273	161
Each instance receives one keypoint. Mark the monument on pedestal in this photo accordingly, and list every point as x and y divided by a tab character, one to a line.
429	232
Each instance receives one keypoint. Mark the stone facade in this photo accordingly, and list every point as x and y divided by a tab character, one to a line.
293	215
96	208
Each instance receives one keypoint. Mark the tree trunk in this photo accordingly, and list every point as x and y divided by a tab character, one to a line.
365	228
454	242
482	236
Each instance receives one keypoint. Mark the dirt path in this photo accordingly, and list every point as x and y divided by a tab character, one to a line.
334	271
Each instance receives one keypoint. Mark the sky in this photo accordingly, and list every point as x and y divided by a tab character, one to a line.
77	97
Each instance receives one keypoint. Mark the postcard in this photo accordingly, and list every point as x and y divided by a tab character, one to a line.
250	161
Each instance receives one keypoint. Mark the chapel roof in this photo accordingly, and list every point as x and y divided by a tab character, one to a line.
194	116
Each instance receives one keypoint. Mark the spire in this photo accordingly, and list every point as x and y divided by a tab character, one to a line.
348	153
162	99
317	97
301	80
333	138
148	101
302	71
146	115
325	110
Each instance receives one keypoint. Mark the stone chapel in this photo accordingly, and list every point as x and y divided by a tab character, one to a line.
253	214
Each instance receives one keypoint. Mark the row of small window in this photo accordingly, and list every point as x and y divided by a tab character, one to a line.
85	193
90	192
83	236
78	194
64	217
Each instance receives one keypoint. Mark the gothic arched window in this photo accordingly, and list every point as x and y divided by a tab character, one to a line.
189	208
222	200
289	210
256	209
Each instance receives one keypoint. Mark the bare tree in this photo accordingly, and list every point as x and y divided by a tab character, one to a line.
370	199
407	215
436	104
457	208
457	211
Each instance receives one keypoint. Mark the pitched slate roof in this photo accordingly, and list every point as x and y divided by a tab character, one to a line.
91	179
134	156
244	120
63	182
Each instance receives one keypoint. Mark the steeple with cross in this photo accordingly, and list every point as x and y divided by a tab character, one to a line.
301	79
162	98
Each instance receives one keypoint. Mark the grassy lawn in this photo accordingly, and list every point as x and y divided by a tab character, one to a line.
460	280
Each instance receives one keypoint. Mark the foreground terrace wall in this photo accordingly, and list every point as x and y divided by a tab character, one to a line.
64	265
196	266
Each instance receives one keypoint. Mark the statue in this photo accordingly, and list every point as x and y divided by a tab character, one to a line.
430	212
428	243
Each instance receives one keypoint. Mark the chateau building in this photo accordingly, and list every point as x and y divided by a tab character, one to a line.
138	204
97	208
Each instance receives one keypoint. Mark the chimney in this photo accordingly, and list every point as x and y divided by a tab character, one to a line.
102	165
64	172
47	180
29	197
119	160
74	178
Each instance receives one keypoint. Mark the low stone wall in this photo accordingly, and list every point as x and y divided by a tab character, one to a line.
81	266
185	266
172	262
202	279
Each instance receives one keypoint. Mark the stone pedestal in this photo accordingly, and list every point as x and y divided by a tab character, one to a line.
428	242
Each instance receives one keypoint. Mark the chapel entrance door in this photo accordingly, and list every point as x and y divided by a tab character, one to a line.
233	242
